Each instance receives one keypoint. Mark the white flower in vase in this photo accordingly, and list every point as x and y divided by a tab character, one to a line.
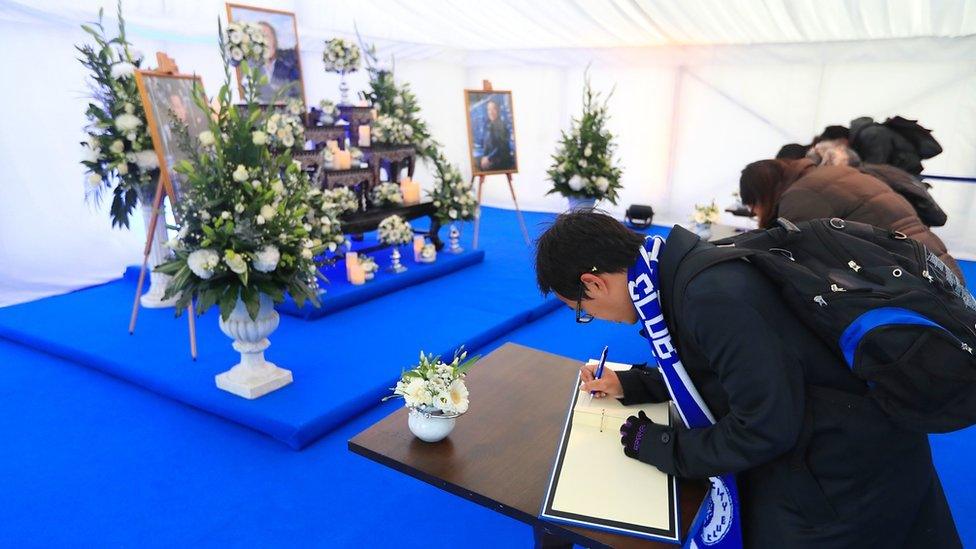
240	174
700	217
122	70
117	146
267	212
266	260
457	400
576	183
126	122
146	160
203	262
94	180
602	183
235	262
259	138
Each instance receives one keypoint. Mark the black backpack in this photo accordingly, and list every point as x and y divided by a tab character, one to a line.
919	136
891	310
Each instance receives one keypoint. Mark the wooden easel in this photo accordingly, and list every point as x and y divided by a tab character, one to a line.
166	65
486	86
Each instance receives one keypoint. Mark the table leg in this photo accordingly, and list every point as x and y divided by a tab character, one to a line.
544	539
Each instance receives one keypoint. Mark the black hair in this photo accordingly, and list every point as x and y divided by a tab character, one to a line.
792	151
834	132
578	241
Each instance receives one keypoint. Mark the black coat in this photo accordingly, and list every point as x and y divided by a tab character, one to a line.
878	144
818	464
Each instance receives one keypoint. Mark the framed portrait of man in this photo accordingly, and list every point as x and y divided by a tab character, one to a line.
284	67
491	131
168	98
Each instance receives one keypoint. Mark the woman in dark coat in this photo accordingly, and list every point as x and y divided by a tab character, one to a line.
800	191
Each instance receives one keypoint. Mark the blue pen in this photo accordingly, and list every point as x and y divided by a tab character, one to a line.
599	369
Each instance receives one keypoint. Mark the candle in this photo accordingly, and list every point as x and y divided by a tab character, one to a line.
352	260
332	145
374	114
357	275
410	190
342	160
418	244
364	136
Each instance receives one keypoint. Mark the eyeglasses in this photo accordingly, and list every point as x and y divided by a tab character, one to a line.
582	317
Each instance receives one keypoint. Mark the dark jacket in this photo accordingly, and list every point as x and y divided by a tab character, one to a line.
840	191
818	464
914	190
497	146
878	144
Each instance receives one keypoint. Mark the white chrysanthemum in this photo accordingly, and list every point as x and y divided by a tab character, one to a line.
203	262
240	174
123	168
288	140
126	122
235	36
94	180
576	183
122	70
267	259
415	393
90	155
259	138
237	55
146	160
206	138
602	183
587	151
278	187
267	212
582	163
117	146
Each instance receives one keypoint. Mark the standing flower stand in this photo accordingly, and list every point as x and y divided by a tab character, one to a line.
253	376
343	89
395	266
158	254
455	235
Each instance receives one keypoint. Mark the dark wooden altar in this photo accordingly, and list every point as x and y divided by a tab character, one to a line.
392	158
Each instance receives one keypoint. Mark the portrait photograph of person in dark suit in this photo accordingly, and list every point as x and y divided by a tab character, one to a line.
283	67
491	131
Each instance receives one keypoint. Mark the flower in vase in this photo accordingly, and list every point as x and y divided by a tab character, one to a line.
146	160
235	262
457	397
206	138
267	212
122	70
240	174
203	262
94	180
267	259
126	122
602	184
576	183
700	217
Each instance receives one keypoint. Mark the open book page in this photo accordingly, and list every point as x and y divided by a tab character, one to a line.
596	484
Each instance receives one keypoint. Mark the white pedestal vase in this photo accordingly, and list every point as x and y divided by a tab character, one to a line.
576	203
253	376
455	234
158	254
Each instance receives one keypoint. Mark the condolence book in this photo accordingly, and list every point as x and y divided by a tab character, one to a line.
594	485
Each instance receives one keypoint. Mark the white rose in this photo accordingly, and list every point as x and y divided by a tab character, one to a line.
398	100
123	168
582	163
453	213
267	212
240	174
235	37
408	131
127	122
602	183
260	220
267	259
415	393
288	141
587	151
205	215
278	186
307	253
94	180
239	208
146	160
117	146
203	262
121	70
575	183
129	108
259	138
235	262
90	155
206	138
699	217
225	215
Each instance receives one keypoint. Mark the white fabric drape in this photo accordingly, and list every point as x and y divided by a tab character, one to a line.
701	89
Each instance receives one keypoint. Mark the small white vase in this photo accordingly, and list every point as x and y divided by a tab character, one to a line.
455	234
158	254
577	203
430	427
253	376
703	230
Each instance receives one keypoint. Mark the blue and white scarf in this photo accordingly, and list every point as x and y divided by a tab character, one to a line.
717	522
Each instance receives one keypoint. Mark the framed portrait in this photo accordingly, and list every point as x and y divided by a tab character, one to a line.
284	67
168	98
491	131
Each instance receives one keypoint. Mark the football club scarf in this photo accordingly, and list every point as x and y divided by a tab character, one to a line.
717	522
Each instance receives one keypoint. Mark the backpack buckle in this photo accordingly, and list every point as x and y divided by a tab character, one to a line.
787	224
837	223
898	235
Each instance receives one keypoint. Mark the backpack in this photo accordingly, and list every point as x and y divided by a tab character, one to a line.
881	301
919	136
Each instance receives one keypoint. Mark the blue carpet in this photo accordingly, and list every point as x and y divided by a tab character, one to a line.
376	340
91	461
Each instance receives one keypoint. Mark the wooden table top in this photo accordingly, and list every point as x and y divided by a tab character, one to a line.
501	452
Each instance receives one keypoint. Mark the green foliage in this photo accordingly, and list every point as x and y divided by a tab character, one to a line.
583	165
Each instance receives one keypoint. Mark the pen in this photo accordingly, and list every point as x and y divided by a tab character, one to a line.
599	369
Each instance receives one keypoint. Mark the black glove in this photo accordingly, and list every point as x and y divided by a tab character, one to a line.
632	433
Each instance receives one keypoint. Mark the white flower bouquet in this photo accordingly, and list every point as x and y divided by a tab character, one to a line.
428	254
369	265
341	56
436	387
118	153
390	130
283	131
395	231
330	112
295	107
452	195
583	165
707	214
342	199
246	223
387	194
245	41
322	221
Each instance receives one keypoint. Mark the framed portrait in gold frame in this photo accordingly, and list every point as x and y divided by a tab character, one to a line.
490	116
284	68
167	97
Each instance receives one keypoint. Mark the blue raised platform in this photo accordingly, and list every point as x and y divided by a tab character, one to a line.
342	364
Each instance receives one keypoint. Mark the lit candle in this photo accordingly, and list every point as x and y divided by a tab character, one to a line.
343	160
332	145
410	190
352	260
364	136
374	114
418	244
357	275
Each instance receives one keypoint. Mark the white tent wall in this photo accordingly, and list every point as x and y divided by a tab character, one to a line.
686	118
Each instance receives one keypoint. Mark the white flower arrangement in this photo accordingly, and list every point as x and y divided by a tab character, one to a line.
706	215
390	130
245	41
118	153
434	386
322	221
583	165
387	194
341	56
395	231
284	131
369	265
342	199
295	107
452	195
330	112
428	253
